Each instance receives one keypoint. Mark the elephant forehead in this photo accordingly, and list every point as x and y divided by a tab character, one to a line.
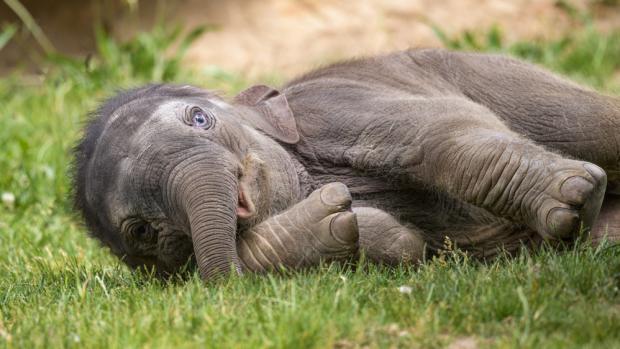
176	107
131	117
165	110
105	188
132	113
118	196
134	127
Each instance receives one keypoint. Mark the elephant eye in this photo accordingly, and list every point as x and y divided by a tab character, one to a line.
202	119
139	230
145	232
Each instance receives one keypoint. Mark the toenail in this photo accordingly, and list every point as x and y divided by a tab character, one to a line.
562	222
344	227
336	194
575	189
595	171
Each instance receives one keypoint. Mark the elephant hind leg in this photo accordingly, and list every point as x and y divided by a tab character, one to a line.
542	106
384	240
607	226
613	180
486	241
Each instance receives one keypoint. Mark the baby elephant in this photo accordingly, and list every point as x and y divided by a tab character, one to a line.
392	155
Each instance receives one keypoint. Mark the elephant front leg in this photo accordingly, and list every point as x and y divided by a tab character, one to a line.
319	228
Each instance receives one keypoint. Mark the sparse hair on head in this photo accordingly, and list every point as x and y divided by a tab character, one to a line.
87	145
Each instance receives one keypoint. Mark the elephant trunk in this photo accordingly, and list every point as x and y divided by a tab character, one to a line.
208	197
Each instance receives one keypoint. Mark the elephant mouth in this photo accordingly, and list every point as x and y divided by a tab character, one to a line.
252	186
245	206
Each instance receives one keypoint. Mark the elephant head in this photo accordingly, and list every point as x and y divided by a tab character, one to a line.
165	171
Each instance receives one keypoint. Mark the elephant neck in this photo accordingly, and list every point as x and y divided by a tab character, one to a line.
285	174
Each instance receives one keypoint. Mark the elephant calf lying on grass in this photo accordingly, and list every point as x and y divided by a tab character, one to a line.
392	154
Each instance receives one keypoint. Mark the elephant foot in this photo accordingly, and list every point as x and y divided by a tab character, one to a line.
321	227
384	240
571	200
329	225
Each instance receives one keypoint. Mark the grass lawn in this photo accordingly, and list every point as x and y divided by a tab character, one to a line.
59	289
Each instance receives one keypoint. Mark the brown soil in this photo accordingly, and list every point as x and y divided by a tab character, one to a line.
256	37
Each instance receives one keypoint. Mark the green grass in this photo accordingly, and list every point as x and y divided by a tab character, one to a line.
59	289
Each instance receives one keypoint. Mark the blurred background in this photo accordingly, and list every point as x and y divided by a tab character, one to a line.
257	37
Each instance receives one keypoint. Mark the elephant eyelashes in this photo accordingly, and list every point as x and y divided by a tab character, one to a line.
140	231
145	232
200	118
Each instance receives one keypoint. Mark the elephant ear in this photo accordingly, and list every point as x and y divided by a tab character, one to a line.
274	116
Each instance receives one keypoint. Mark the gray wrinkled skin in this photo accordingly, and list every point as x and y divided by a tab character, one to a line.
393	154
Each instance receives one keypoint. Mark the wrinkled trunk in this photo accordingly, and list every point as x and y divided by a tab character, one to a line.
207	193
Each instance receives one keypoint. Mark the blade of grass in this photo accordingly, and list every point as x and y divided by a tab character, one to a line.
7	33
31	25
